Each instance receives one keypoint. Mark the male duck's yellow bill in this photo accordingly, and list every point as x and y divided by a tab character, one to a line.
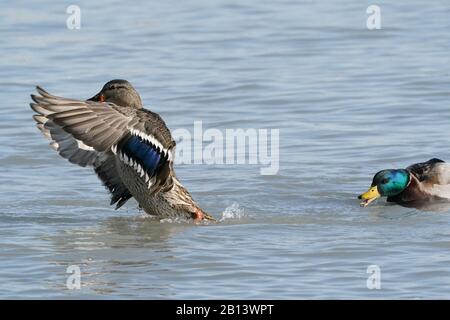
371	195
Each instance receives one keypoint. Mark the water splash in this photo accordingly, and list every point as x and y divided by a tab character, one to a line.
233	212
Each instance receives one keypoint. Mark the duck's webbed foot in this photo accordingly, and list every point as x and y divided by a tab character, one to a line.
199	215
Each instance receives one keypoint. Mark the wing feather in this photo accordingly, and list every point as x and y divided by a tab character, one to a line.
88	132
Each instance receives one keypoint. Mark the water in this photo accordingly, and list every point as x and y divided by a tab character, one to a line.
348	102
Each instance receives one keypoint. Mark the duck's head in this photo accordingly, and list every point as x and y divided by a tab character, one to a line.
119	92
386	183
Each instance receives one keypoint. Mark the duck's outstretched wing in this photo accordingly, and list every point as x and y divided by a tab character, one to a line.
74	150
139	137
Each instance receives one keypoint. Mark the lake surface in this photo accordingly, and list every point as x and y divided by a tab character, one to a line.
348	102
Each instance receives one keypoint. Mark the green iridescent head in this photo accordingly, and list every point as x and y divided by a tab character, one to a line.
391	182
386	183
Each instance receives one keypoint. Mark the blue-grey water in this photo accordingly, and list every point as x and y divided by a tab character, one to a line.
348	102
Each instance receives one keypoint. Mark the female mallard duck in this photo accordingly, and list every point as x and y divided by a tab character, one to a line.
415	185
130	148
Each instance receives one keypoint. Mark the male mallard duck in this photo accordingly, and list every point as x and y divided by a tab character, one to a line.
417	184
130	148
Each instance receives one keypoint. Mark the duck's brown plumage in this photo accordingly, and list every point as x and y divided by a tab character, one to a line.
429	180
130	148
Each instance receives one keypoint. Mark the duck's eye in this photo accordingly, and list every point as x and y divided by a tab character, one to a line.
384	181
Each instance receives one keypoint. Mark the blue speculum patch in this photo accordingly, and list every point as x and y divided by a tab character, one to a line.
145	154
